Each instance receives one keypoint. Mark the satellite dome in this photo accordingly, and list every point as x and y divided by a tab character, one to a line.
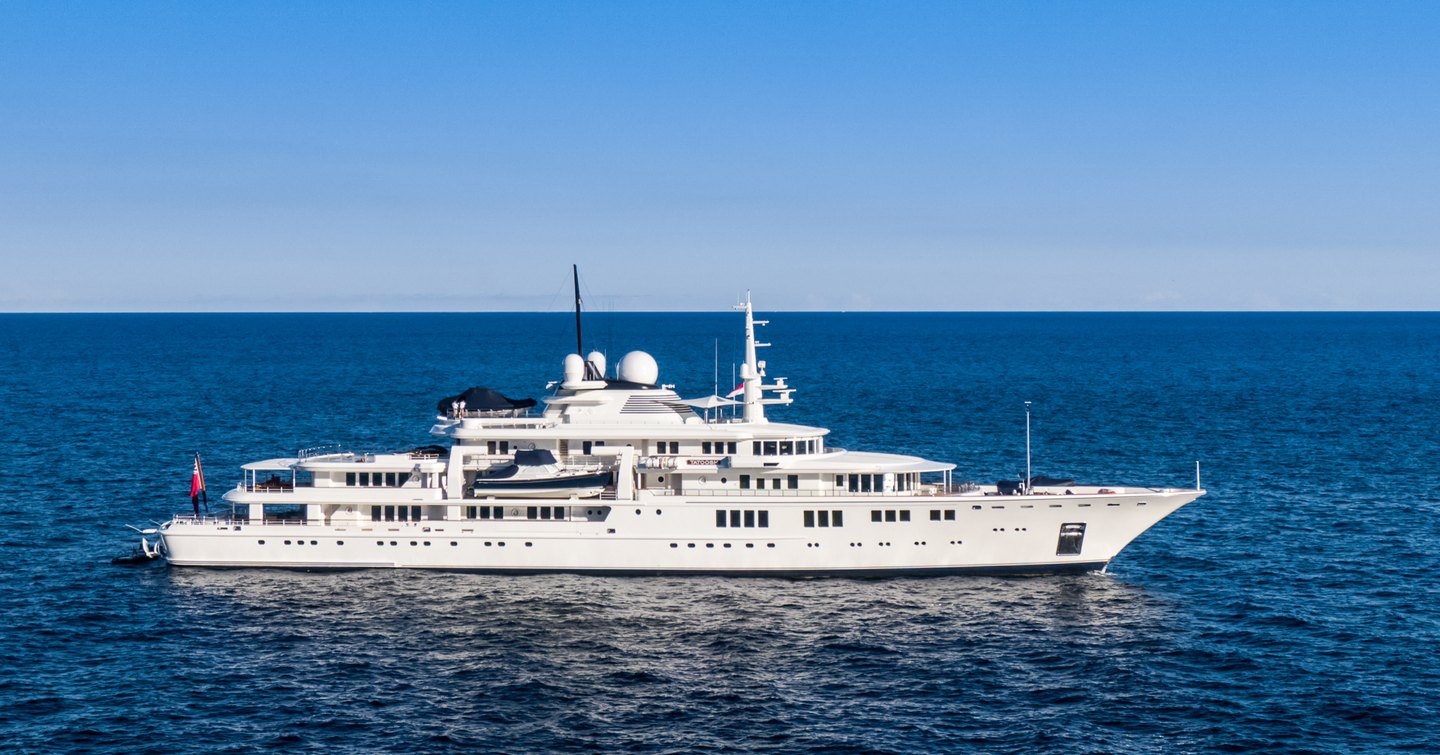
574	368
639	367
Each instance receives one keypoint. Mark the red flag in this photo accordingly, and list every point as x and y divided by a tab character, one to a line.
738	390
197	487
197	479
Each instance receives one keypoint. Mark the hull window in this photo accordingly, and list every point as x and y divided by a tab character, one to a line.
1072	539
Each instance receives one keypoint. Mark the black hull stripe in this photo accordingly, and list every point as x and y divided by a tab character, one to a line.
880	573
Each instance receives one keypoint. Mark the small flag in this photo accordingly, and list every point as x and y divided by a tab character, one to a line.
738	390
197	487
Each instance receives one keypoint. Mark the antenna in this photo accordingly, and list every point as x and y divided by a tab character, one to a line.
1028	476
1197	475
717	366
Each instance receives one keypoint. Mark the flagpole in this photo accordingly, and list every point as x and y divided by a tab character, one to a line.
204	493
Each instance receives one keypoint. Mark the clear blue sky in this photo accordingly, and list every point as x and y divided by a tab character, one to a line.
933	155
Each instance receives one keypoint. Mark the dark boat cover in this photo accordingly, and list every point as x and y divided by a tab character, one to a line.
534	458
480	399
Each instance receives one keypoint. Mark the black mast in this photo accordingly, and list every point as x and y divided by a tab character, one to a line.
579	346
591	373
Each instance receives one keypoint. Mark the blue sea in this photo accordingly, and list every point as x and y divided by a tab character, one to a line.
1296	608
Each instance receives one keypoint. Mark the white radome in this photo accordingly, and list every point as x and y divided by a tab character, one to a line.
639	367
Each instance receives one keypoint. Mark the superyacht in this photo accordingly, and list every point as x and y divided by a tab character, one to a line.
617	474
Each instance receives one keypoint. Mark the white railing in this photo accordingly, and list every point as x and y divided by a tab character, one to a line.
328	449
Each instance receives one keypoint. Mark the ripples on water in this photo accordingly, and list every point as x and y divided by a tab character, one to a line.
1292	609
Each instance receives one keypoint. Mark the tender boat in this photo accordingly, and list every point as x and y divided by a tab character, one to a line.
617	474
536	474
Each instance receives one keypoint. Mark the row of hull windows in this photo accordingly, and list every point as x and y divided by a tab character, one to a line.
790	481
783	447
824	519
742	518
717	447
936	514
376	479
531	512
889	515
394	513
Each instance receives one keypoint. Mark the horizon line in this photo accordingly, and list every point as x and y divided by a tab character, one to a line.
728	312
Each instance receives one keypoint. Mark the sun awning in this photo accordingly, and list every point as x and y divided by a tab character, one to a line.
709	402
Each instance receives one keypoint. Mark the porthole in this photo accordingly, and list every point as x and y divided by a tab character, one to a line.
501	543
427	543
691	545
727	545
724	480
749	545
657	512
487	543
262	542
709	545
674	545
312	542
637	512
412	542
452	542
287	542
392	542
529	545
339	542
769	545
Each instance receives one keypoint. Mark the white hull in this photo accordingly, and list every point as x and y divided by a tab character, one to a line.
678	535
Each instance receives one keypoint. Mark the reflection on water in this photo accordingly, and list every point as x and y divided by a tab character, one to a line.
680	663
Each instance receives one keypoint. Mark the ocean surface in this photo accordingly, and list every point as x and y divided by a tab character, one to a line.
1296	608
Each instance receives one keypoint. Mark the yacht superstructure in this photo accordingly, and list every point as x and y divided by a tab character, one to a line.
620	475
